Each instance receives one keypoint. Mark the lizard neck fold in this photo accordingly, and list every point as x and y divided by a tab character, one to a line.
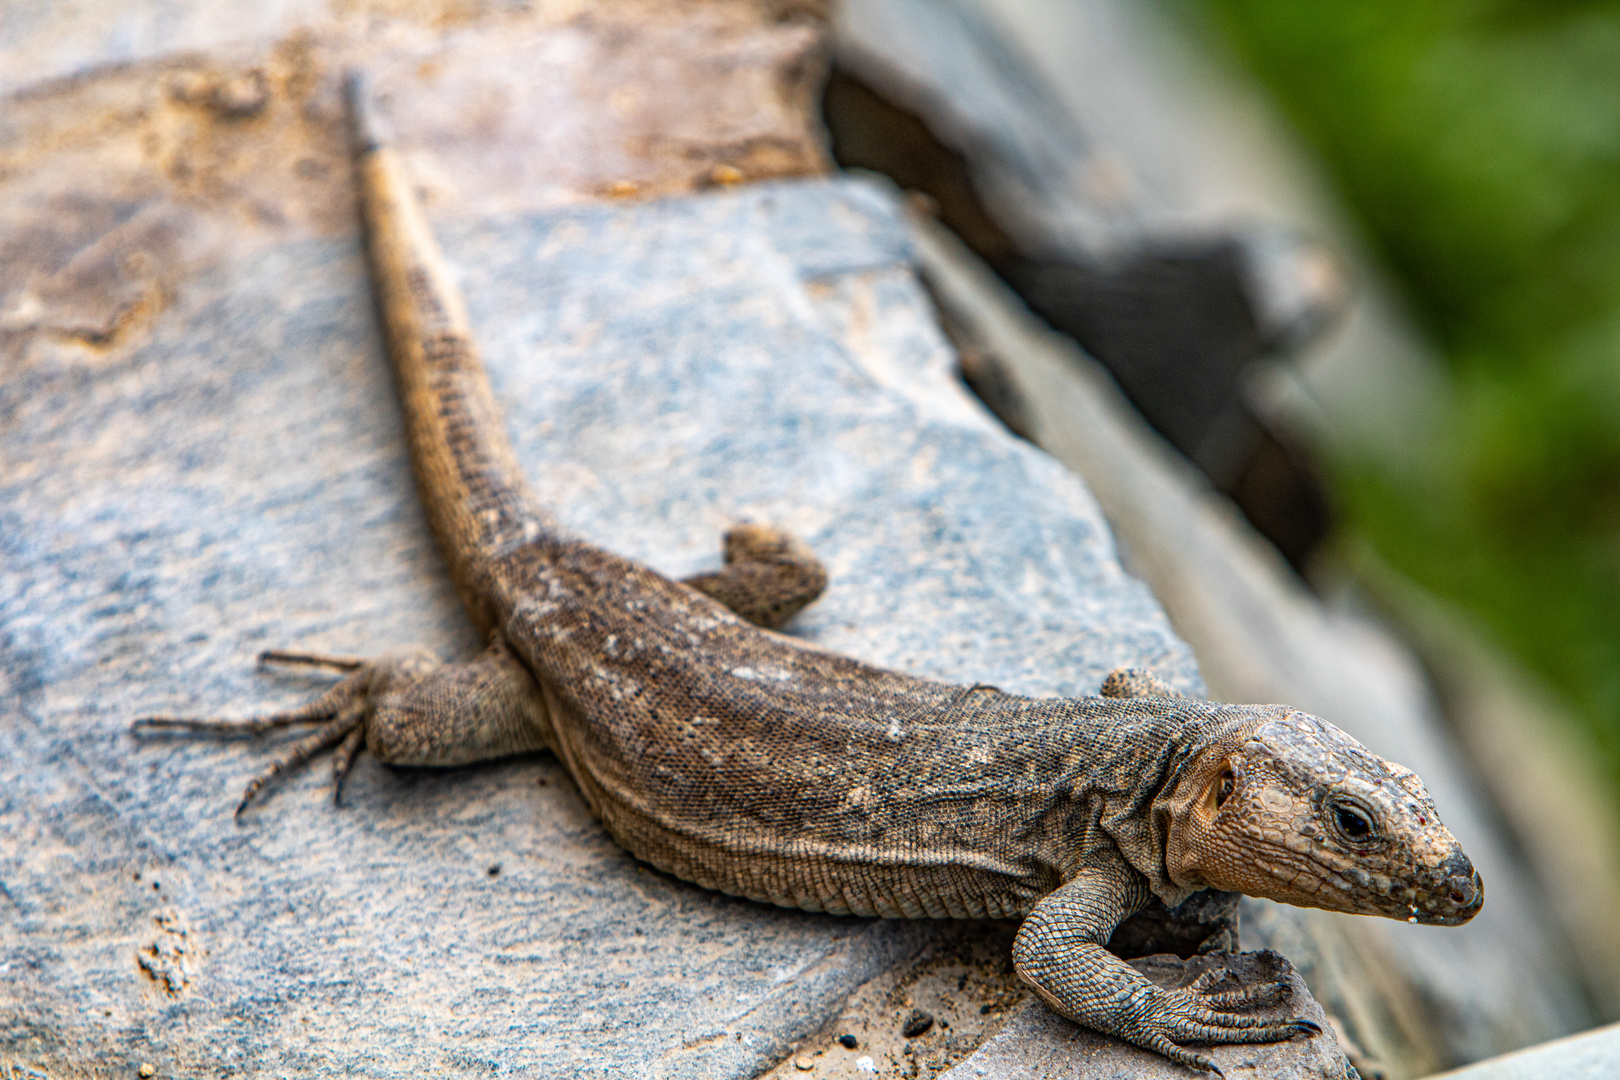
1168	750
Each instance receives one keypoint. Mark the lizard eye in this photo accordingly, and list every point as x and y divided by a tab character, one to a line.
1352	822
1227	785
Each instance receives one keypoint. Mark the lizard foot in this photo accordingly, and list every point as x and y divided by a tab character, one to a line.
1173	1017
769	576
340	712
406	707
1059	953
1202	1014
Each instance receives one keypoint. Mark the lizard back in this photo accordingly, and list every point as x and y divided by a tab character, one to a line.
751	763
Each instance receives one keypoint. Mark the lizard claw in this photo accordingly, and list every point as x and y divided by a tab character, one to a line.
325	660
1162	1044
1179	1016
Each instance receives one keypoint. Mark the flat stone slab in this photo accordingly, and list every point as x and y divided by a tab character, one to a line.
236	480
1035	1042
1594	1055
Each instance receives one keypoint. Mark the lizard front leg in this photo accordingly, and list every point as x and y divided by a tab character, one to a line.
406	708
769	576
1059	953
1130	682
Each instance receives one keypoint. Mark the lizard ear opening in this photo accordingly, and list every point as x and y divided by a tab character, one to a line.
1192	838
1221	787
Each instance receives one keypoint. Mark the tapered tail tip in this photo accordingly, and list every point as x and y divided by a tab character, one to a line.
367	129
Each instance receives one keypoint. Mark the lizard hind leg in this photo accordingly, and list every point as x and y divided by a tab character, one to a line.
456	714
406	708
770	575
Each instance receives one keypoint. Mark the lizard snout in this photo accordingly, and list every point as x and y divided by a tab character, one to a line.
1467	891
1459	896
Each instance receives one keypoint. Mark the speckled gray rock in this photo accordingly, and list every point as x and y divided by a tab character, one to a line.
238	481
1036	1043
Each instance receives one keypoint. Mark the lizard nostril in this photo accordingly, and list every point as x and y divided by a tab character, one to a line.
1464	892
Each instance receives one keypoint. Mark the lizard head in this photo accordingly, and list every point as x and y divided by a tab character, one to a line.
1304	814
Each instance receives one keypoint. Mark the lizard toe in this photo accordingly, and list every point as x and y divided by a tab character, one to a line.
1270	1031
1196	1011
1248	996
323	708
336	731
1161	1043
1202	1014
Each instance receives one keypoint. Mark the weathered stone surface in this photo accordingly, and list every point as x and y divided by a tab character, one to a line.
964	980
236	481
1037	1042
119	184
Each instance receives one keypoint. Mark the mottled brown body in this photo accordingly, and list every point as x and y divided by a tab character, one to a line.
748	762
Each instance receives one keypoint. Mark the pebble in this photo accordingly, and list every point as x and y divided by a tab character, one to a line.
245	95
918	1022
848	1042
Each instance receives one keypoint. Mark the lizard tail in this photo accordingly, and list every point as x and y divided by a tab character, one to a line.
476	498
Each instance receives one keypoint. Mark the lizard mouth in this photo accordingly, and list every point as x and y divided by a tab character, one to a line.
1448	894
1450	897
1459	897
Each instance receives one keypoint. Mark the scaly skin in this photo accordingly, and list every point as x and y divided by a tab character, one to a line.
747	762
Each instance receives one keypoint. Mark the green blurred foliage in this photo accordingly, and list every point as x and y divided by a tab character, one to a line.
1479	143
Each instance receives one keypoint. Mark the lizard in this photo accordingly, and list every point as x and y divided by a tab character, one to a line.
751	762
